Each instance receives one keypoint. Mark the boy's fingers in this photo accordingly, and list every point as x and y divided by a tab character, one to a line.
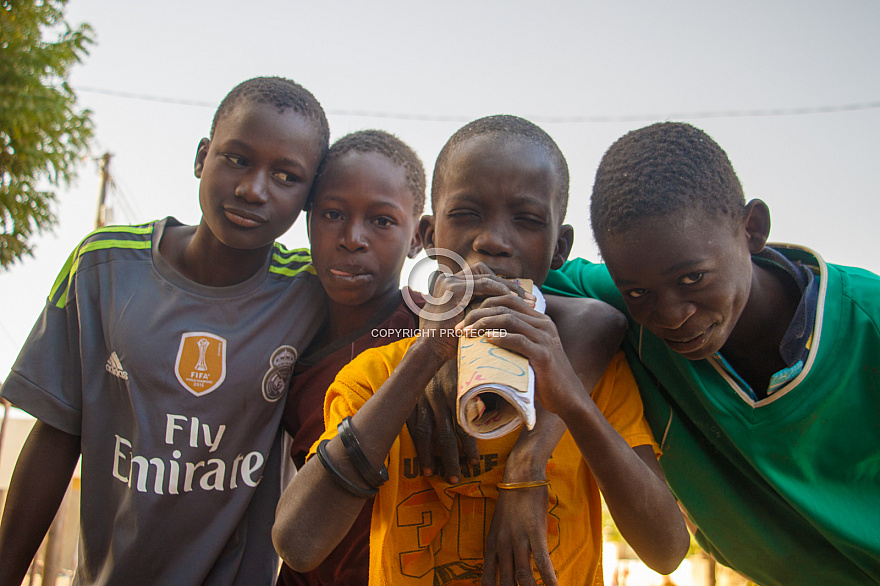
490	569
421	428
468	444
506	572
523	560
545	567
447	440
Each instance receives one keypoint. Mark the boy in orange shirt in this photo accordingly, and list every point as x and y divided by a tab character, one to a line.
499	193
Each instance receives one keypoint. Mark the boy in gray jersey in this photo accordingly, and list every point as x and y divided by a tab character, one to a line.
162	357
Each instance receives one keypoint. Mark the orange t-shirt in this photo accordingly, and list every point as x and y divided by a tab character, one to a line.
427	531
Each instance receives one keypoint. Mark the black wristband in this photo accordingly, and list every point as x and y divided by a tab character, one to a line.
339	478
374	477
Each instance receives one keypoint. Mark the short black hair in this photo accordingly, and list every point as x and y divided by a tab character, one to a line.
662	169
390	146
283	94
501	127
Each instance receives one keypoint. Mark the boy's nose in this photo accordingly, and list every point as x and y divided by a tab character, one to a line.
671	312
492	242
252	188
352	237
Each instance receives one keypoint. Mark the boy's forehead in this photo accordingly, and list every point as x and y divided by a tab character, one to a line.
251	108
694	228
486	158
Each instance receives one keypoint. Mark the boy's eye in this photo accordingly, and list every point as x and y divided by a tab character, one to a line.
236	160
531	221
384	222
691	278
286	177
635	293
461	214
332	215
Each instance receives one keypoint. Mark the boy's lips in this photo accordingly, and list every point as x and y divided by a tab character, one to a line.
688	345
244	218
351	273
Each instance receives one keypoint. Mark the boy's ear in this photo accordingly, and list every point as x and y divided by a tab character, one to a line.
415	245
201	154
564	242
757	225
426	231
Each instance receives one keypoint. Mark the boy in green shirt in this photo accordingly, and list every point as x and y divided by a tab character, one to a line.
758	365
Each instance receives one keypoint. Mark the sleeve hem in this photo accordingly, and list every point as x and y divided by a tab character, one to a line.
46	407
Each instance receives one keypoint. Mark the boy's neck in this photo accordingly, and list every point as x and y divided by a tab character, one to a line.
753	347
207	261
343	320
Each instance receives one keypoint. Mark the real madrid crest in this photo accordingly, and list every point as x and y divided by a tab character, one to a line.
278	377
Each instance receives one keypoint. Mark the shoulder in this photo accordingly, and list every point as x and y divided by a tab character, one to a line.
290	263
617	384
582	278
104	245
840	285
375	364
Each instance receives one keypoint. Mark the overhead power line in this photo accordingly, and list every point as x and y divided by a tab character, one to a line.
753	113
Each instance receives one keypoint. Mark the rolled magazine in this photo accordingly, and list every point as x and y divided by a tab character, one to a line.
496	387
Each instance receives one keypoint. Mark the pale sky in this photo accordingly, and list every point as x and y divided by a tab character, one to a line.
587	72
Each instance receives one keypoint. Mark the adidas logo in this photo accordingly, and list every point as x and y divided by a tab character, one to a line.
114	367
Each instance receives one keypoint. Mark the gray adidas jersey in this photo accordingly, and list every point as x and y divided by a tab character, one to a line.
177	391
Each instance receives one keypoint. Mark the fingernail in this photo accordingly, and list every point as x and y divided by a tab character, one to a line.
453	480
427	471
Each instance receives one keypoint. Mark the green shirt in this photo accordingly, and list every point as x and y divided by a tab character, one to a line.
785	490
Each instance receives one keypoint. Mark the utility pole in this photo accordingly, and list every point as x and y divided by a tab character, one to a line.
52	552
103	218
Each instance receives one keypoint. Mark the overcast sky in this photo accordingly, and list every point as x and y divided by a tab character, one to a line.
789	89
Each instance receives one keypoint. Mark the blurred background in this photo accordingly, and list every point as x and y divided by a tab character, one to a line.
789	89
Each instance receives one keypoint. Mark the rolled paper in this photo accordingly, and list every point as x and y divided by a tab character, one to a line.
496	387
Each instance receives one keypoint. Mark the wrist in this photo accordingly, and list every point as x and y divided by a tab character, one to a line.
434	351
526	467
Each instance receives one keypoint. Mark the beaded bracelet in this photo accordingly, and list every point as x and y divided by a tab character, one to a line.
375	478
525	484
339	478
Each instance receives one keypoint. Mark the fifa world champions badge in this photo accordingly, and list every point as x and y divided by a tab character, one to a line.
201	362
277	379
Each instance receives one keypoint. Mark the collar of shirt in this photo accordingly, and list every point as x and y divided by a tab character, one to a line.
795	345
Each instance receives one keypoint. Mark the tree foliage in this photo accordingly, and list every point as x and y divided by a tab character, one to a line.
42	135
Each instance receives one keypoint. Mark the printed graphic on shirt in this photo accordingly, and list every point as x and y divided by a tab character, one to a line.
277	379
439	533
114	367
173	470
201	362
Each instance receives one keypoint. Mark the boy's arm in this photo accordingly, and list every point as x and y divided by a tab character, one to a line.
641	503
314	513
591	332
41	477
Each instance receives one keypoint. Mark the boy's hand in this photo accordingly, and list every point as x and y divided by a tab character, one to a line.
434	416
533	335
450	295
518	535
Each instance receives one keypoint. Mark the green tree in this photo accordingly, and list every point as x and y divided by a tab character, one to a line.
42	135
